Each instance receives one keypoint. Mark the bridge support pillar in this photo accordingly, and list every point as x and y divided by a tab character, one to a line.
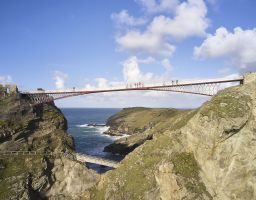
250	77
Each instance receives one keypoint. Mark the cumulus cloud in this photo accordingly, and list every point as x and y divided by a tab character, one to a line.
123	18
239	47
132	72
189	20
102	83
147	60
5	79
154	6
60	79
147	42
166	64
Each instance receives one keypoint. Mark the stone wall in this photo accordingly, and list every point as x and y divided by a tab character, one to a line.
9	89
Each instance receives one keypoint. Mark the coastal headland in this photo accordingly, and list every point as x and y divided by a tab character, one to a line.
203	153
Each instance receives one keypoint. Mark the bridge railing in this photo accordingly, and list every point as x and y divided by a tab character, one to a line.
140	85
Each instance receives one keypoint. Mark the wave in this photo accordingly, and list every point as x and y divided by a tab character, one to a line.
92	125
116	137
82	126
100	129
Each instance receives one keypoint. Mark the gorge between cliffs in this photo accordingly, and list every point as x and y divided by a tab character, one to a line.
166	154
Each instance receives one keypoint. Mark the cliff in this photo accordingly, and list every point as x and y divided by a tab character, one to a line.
42	129
141	124
207	153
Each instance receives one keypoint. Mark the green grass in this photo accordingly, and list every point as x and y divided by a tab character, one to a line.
186	166
227	105
17	166
139	118
135	176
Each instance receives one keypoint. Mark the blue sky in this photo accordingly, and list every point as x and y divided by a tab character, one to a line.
63	43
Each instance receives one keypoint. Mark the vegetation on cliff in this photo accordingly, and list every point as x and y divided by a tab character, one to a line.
142	124
42	129
196	154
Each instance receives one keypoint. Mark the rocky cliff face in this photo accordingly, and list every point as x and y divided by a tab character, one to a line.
208	153
42	129
141	124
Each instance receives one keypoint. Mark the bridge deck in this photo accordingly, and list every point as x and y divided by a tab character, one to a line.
96	160
144	87
197	87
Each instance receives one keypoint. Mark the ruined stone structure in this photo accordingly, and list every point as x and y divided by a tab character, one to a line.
6	90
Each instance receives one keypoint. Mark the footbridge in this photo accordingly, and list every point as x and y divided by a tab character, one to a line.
96	160
75	156
198	87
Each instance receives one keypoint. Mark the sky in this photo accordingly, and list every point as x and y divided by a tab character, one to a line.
59	44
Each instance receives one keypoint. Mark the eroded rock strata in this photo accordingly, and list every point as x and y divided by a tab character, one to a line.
42	129
207	153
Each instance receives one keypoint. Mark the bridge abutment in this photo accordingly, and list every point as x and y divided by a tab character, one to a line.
250	77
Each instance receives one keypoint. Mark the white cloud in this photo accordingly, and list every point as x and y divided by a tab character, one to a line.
123	18
5	79
190	20
132	72
239	47
166	64
60	79
230	76
147	60
155	41
154	6
102	83
128	99
145	42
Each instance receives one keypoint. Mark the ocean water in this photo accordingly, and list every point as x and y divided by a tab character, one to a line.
90	139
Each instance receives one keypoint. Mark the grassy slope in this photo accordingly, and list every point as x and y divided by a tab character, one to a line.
135	176
145	122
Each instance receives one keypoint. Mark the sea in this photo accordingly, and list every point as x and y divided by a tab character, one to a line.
87	126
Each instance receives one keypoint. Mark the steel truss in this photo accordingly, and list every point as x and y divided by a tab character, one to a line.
206	88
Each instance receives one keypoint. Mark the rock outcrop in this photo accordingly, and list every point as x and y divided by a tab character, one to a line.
42	129
141	124
207	153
